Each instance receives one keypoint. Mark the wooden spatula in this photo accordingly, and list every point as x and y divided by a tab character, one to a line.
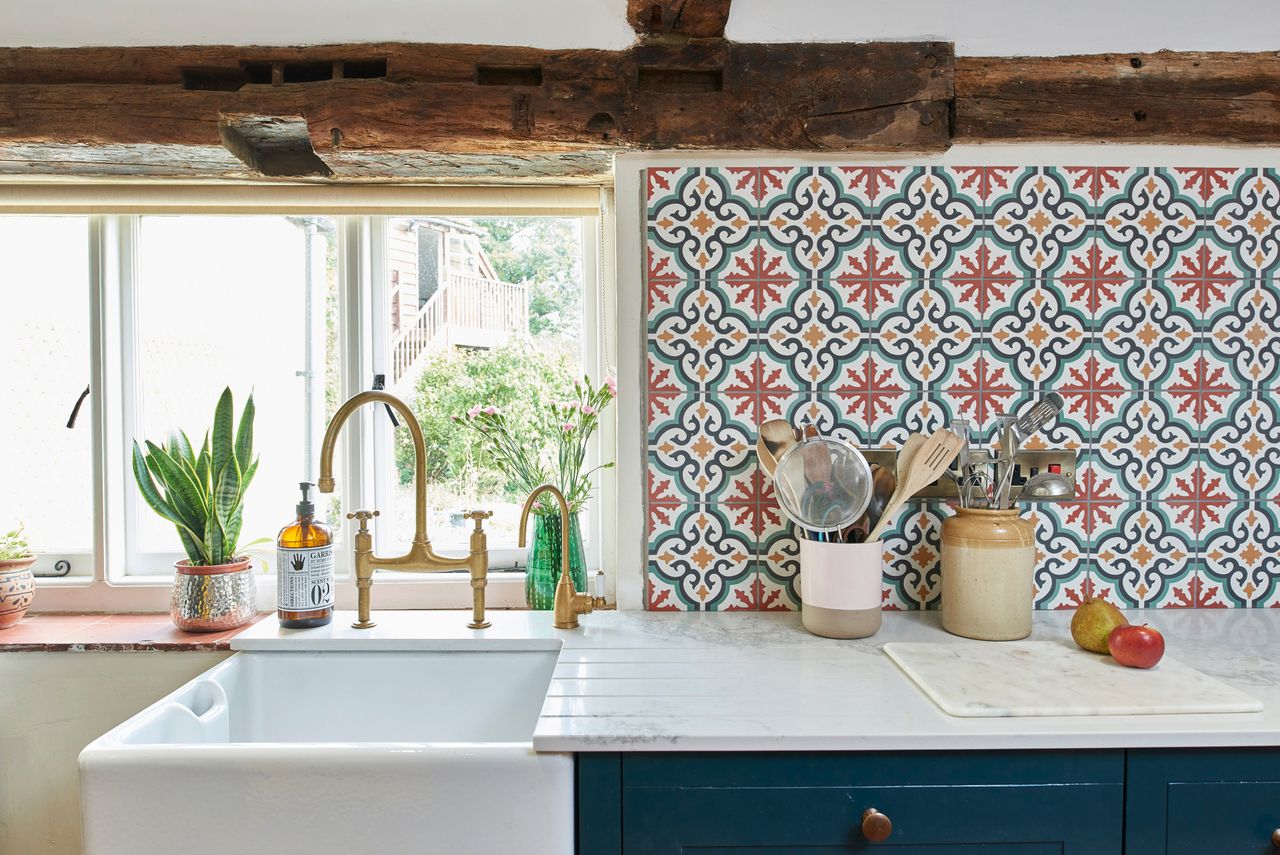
925	466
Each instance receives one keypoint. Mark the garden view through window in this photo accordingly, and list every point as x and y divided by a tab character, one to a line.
483	312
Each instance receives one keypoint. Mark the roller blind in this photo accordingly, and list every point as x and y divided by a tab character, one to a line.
337	199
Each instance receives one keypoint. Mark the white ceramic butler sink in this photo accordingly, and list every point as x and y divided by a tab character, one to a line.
342	752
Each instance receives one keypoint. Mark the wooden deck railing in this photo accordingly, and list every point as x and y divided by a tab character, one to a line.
466	310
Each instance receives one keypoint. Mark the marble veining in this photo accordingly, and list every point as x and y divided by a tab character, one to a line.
1045	678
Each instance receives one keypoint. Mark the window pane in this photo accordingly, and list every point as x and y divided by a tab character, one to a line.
482	311
247	302
44	348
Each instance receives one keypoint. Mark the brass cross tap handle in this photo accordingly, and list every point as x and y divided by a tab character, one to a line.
876	827
364	517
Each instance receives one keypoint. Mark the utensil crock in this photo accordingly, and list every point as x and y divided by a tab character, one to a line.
840	588
988	566
213	599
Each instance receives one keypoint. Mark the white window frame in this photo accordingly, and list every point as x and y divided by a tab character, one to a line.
361	214
80	561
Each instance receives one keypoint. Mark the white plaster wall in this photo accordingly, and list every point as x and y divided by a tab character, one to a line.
1027	28
978	27
536	23
51	706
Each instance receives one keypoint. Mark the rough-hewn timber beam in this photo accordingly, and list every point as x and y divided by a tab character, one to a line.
471	112
378	110
695	19
272	145
1155	97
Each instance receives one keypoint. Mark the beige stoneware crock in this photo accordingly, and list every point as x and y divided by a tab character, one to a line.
988	566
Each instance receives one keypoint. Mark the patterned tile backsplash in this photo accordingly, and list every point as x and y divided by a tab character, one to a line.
876	301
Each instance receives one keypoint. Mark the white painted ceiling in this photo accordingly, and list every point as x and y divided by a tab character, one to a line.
978	27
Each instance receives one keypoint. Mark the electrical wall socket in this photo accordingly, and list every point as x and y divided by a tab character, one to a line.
1026	464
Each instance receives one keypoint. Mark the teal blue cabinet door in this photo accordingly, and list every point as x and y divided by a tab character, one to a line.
1204	802
955	803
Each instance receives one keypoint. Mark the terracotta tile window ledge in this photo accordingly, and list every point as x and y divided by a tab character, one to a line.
83	633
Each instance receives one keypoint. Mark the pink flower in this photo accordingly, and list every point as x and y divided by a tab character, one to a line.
612	383
490	410
567	427
589	410
473	412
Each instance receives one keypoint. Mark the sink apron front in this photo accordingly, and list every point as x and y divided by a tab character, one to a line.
282	753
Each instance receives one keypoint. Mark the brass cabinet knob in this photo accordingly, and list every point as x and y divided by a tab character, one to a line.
1275	838
876	827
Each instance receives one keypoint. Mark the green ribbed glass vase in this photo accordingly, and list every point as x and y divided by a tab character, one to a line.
544	561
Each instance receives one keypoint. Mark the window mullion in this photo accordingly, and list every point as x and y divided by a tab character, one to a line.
605	319
354	319
379	332
113	244
126	231
99	387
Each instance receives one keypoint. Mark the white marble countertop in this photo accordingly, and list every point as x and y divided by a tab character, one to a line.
642	681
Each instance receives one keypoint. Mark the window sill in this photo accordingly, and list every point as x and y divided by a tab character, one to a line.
150	594
89	633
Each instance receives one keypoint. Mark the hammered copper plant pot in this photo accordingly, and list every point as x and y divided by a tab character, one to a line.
213	599
17	589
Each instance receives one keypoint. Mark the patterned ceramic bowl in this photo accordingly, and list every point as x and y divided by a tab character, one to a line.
17	589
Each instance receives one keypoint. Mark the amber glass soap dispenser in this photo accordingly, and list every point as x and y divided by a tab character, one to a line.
304	569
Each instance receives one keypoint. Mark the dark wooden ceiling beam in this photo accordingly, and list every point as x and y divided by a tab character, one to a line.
374	104
695	19
276	146
474	111
1163	97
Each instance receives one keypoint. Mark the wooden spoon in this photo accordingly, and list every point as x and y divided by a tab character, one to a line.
922	469
775	437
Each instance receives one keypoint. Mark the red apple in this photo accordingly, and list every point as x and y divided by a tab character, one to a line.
1136	646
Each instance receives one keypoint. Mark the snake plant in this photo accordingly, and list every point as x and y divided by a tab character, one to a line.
202	493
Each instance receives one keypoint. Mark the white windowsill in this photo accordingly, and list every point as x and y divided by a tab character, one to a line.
390	591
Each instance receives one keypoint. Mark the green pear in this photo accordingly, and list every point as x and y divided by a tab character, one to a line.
1093	622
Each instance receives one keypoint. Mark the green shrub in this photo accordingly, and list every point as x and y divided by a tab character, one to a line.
517	378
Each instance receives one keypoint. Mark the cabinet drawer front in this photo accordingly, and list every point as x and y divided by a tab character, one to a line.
1078	818
943	849
1229	818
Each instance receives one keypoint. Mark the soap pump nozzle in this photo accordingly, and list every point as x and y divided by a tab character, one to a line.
306	508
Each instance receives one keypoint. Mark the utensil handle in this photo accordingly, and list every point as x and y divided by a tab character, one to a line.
895	502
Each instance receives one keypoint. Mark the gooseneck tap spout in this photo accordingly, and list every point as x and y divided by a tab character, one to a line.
568	602
420	558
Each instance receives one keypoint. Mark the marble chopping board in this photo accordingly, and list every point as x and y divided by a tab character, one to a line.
1039	678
